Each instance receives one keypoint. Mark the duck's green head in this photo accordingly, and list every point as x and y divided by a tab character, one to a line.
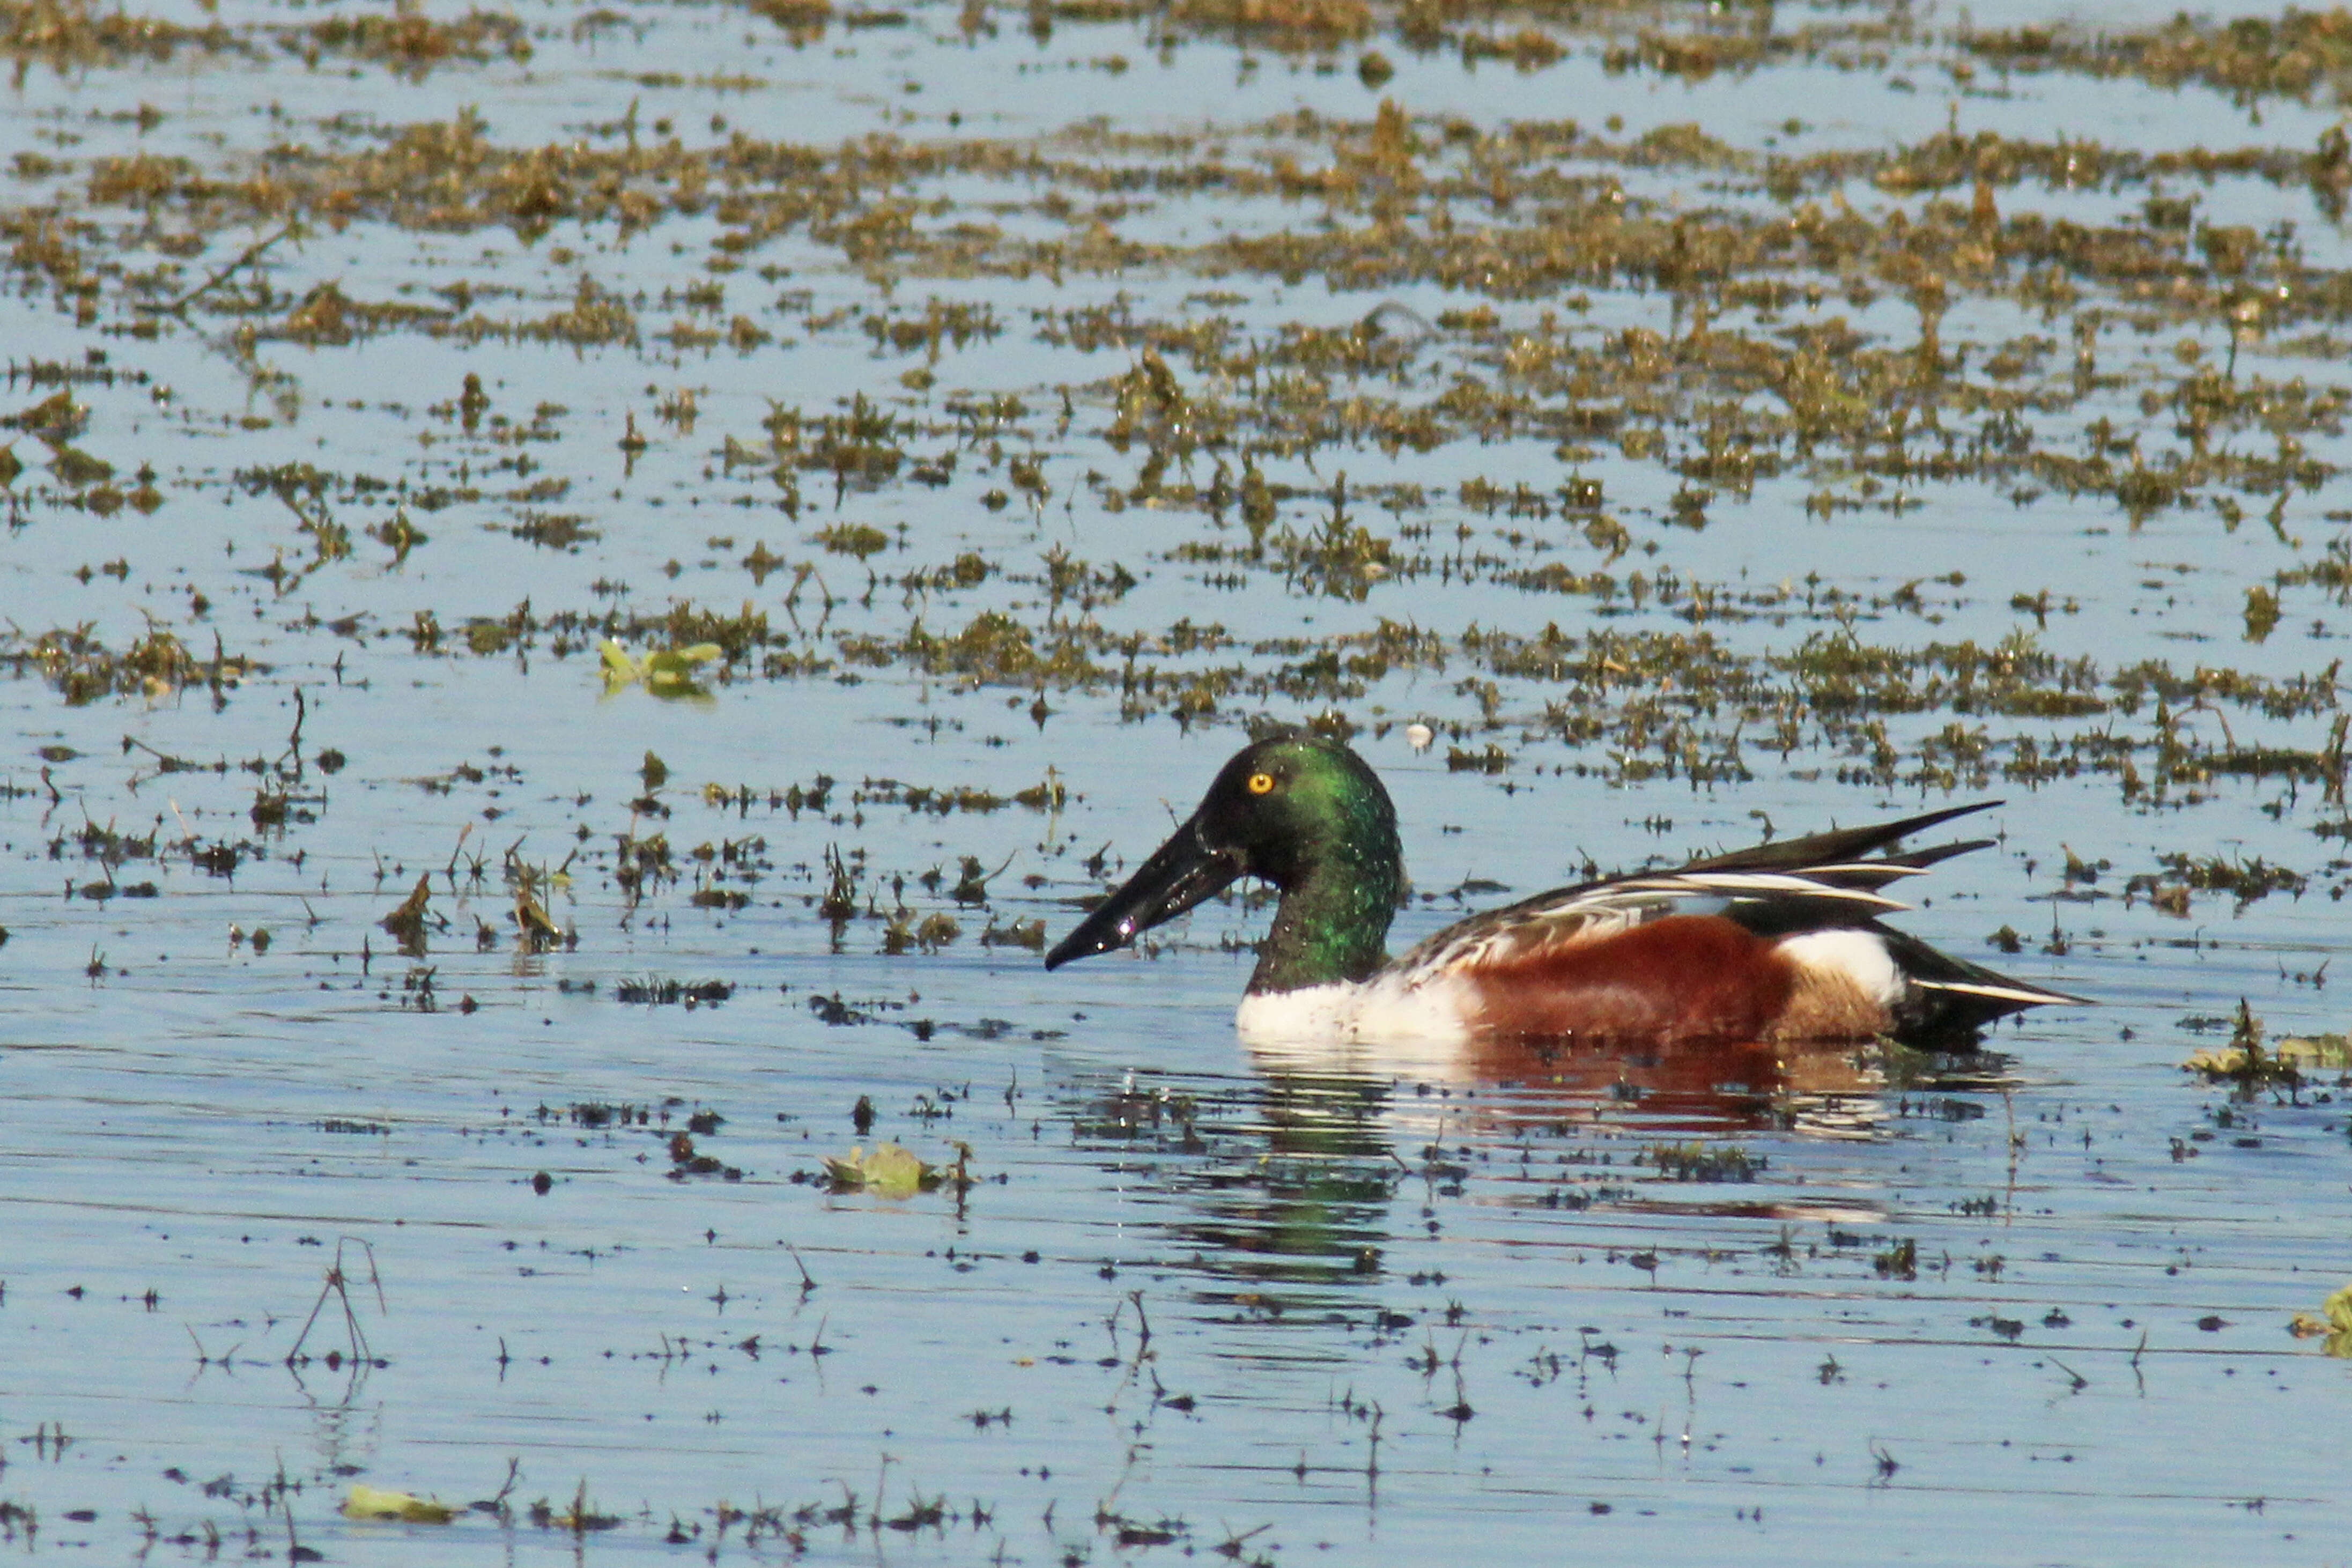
1304	814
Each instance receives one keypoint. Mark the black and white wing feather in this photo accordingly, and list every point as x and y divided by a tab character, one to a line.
1821	881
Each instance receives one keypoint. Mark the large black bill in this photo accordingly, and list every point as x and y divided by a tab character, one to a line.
1180	873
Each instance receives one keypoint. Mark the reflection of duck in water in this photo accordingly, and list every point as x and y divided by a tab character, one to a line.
1779	945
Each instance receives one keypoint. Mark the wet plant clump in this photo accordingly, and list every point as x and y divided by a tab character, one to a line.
657	993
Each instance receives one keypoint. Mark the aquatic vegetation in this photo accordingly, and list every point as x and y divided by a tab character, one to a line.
668	672
933	933
2245	880
1701	1163
658	993
83	668
2333	1326
1733	401
2251	58
411	919
887	1171
2247	1065
363	1502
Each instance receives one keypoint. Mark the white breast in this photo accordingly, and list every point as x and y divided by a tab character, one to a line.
1382	1026
1312	1015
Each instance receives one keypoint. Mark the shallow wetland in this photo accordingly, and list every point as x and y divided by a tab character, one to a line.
583	590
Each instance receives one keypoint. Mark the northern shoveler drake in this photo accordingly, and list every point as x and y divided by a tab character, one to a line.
1781	943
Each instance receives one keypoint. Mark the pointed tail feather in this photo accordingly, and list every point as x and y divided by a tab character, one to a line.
1841	845
2011	992
1879	873
1920	860
1952	996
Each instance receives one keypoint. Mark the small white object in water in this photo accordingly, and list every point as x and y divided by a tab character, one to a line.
1419	736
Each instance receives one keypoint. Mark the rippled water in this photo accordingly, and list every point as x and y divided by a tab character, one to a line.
545	1234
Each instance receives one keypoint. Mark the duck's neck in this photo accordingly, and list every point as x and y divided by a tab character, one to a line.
1333	922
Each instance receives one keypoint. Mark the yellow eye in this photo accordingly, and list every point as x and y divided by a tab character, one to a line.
1261	783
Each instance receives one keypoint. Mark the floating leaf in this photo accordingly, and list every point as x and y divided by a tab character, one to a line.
2337	1326
886	1170
2324	1053
405	1508
668	672
676	667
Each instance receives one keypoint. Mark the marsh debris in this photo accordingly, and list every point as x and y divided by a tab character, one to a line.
1702	1162
652	992
83	669
409	921
2332	1327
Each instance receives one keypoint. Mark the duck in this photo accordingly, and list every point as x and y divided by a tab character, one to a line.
1782	944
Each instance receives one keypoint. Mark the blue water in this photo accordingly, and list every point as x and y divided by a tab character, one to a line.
271	1223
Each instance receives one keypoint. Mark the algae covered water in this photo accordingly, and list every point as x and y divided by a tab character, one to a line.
585	591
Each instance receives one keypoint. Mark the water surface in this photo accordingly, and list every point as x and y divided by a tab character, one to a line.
1710	424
